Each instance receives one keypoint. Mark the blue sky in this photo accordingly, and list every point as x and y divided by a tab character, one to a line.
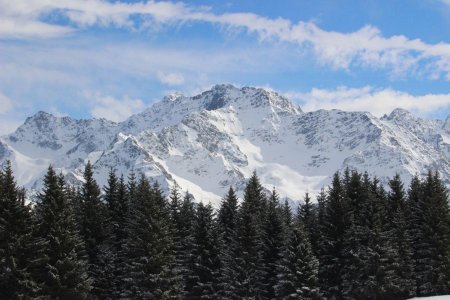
87	58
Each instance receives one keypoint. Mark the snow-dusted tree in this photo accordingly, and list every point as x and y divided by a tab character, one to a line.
151	264
273	242
298	268
331	246
206	255
19	249
250	246
64	271
94	231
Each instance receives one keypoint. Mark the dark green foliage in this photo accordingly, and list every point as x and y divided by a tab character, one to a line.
273	242
227	216
114	255
18	246
358	242
95	232
64	271
250	247
369	261
298	268
400	239
432	257
227	225
151	265
307	213
333	229
205	255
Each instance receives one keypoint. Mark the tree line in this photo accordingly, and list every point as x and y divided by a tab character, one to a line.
358	241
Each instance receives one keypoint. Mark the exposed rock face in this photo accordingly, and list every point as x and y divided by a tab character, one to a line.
210	141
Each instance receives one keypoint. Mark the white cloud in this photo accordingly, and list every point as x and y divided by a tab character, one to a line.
171	78
114	109
6	104
17	28
376	101
365	47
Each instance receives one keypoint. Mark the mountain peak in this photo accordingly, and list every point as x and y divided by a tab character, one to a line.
222	95
40	116
399	113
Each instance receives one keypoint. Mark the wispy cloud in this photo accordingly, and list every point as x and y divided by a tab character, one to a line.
365	47
171	78
376	101
6	104
114	109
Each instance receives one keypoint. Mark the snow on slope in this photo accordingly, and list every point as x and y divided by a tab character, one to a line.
216	139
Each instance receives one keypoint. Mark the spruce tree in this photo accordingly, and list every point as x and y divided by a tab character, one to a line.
94	231
433	256
307	213
18	246
150	264
400	239
273	242
182	214
250	244
298	268
227	216
331	247
64	271
206	255
227	223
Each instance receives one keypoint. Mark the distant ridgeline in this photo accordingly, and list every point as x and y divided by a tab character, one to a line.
217	138
131	242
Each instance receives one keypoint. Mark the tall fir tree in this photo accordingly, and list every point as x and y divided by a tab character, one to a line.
151	264
334	226
227	216
206	255
307	213
298	268
399	238
227	224
64	271
433	251
94	231
273	242
250	276
18	247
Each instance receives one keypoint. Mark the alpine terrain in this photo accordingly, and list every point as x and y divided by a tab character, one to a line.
218	138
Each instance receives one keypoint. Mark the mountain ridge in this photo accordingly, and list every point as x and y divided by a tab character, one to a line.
219	137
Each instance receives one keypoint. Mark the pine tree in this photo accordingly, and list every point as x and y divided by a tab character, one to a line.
114	256
433	256
307	213
64	272
151	259
400	239
94	232
273	242
334	226
298	268
17	244
227	216
227	224
182	214
206	255
250	244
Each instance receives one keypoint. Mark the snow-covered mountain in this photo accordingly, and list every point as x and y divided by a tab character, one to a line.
218	138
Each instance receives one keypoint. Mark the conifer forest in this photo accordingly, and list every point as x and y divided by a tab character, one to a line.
128	240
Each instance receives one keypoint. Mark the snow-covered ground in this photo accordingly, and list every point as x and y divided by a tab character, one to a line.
218	138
